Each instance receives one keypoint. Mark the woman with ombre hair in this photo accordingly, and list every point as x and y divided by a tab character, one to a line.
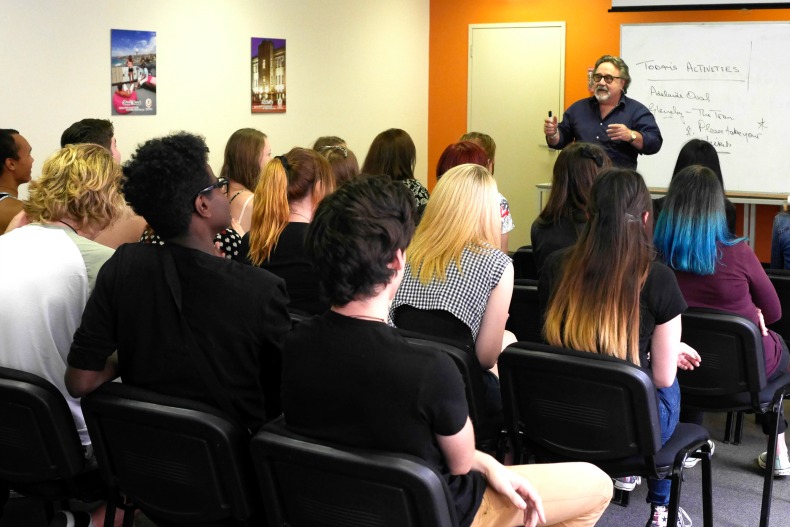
457	283
606	295
716	270
286	197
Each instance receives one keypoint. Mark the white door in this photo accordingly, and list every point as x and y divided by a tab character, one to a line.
516	75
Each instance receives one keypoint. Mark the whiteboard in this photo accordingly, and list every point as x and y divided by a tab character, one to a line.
726	83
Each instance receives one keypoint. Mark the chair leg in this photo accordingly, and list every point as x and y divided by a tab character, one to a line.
707	490
49	511
5	493
738	428
621	497
728	427
765	510
128	517
109	512
674	496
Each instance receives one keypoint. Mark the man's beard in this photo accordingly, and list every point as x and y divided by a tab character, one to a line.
602	94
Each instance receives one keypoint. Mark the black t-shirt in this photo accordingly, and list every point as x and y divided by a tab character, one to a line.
236	313
659	301
289	261
358	383
550	237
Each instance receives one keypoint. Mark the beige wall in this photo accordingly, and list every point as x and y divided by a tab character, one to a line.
354	68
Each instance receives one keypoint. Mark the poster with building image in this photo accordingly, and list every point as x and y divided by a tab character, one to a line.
268	75
133	72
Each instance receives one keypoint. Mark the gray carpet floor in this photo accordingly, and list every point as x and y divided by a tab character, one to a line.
737	485
737	489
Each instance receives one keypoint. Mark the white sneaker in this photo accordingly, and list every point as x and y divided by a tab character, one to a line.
628	483
691	462
781	464
659	517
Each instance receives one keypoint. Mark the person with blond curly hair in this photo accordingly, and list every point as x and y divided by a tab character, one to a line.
48	267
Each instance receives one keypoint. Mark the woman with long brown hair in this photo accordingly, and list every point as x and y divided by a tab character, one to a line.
246	154
392	153
563	218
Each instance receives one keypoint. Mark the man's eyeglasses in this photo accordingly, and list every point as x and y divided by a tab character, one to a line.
221	183
608	78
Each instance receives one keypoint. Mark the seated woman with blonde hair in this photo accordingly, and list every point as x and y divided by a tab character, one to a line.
457	283
286	197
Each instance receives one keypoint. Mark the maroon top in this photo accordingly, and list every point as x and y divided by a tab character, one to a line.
739	286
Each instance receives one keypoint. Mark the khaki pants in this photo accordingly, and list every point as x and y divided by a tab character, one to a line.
573	494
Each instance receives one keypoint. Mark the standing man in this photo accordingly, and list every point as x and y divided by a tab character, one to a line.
623	127
16	165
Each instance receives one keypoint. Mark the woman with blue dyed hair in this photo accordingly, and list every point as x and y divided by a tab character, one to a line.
718	271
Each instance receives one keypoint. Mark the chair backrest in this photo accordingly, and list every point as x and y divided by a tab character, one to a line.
467	364
306	483
578	406
733	361
38	440
526	319
436	323
175	459
524	265
780	278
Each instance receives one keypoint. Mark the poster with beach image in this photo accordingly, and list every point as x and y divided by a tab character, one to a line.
268	75
133	72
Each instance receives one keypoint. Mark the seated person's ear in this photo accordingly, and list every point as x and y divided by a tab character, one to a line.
202	206
399	261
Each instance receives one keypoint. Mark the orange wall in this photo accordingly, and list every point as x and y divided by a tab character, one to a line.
591	31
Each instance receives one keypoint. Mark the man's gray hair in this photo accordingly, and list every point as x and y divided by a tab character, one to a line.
620	65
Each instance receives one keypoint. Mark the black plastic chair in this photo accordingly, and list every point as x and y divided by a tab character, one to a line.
524	263
175	459
780	278
563	405
731	377
489	429
40	451
306	483
442	331
526	319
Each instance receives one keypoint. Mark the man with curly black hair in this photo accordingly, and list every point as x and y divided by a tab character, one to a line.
152	302
349	378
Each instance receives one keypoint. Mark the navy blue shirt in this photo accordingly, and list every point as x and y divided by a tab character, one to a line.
582	122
